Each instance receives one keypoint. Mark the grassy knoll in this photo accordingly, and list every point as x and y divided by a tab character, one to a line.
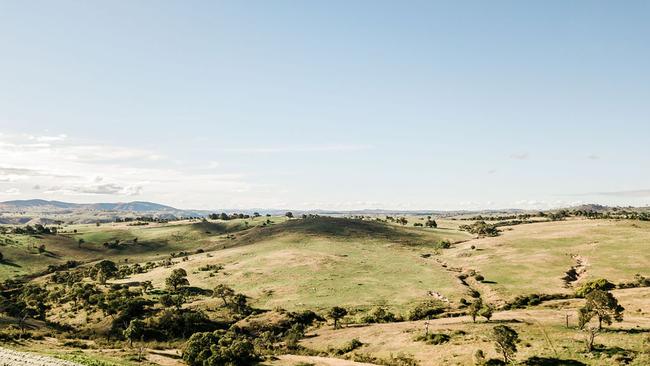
533	258
319	263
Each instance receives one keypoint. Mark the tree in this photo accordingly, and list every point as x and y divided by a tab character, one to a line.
219	348
505	341
134	331
431	223
2	257
603	305
486	311
474	308
177	279
224	292
80	242
289	215
337	313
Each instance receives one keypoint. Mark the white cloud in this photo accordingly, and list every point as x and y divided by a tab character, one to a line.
12	191
66	168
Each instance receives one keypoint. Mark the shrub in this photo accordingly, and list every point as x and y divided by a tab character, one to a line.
433	338
426	310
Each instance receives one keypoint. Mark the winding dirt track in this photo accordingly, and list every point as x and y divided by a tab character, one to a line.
15	358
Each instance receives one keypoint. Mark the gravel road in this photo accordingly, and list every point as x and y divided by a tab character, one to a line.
14	358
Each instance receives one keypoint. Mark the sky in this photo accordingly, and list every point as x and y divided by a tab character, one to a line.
326	104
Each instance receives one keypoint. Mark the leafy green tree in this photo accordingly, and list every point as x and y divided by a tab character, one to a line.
219	348
177	279
224	292
598	284
81	242
603	305
486	311
505	341
474	308
134	331
431	223
336	313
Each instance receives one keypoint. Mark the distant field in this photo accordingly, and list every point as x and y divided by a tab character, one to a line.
154	242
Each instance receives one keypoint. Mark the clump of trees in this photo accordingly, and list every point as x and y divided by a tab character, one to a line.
480	228
177	279
219	348
225	217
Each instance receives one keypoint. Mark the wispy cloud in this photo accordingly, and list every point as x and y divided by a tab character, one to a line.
520	156
593	157
299	149
632	193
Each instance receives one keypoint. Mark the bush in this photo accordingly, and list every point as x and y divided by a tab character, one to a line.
433	338
348	347
379	315
426	310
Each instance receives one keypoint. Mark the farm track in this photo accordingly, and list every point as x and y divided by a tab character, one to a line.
15	358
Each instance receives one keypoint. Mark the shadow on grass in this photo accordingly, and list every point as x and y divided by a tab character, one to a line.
550	361
10	263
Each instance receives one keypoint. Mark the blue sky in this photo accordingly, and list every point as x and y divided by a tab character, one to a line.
340	105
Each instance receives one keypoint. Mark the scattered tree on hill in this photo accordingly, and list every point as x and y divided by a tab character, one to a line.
431	223
289	215
602	305
505	341
224	292
474	308
177	279
134	331
337	313
486	311
239	304
2	257
80	242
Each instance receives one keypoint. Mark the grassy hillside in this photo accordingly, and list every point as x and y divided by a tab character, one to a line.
154	242
322	262
533	258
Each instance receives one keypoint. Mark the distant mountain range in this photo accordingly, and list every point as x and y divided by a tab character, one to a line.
39	205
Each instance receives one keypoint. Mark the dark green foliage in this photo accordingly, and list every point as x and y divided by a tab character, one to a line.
505	341
480	228
426	310
602	305
433	338
379	315
336	313
219	348
348	347
523	301
177	279
599	284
